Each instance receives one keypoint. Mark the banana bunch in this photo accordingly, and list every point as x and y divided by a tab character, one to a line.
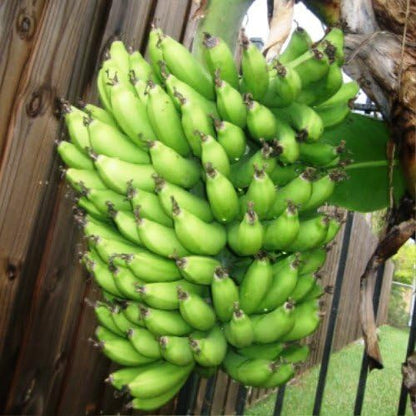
198	187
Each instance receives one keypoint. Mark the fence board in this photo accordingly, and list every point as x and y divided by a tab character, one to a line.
20	21
29	170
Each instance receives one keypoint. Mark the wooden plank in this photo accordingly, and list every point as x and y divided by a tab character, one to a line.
385	293
362	245
329	272
220	393
29	173
20	21
83	387
232	392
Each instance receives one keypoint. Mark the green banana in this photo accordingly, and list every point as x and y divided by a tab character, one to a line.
230	103
192	203
307	319
254	68
185	67
282	231
197	236
152	268
311	66
303	286
102	78
239	330
176	350
126	282
223	209
246	238
198	269
120	350
120	320
298	191
194	122
88	207
101	274
320	154
281	175
158	238
109	249
119	175
312	260
99	229
335	37
209	349
334	226
150	206
144	342
261	122
295	353
163	295
173	85
120	378
319	91
102	198
195	311
119	55
140	67
284	86
224	294
218	56
305	120
242	172
159	379
157	402
322	189
316	292
286	144
155	52
165	120
273	326
131	115
335	109
74	121
172	167
232	361
73	157
298	44
109	141
265	351
126	224
162	323
232	138
255	284
133	312
261	192
98	113
285	277
103	315
83	179
140	87
212	152
255	372
282	374
312	234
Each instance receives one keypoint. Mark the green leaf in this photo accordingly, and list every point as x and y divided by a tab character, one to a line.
367	186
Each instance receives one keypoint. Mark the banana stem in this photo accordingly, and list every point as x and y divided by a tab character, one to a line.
220	18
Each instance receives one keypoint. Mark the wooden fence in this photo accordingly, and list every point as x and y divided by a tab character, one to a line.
51	49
